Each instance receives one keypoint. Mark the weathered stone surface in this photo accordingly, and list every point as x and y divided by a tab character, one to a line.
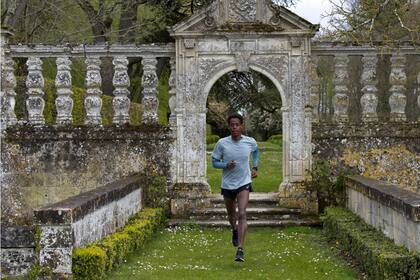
388	208
397	79
93	81
17	261
369	100
121	82
64	102
44	165
35	84
388	152
17	236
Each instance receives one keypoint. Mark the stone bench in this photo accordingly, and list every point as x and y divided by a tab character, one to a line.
390	209
83	219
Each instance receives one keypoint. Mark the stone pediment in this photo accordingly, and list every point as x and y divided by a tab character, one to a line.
243	16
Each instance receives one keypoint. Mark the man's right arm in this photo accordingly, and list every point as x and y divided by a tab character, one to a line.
218	164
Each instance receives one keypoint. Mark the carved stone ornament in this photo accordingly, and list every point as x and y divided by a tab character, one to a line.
209	21
369	100
340	98
93	100
121	82
35	83
397	79
314	100
8	93
189	43
63	102
242	10
149	82
242	61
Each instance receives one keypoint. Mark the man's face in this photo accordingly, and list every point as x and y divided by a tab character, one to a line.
235	127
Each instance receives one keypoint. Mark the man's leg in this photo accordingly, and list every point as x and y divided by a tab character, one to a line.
231	211
242	198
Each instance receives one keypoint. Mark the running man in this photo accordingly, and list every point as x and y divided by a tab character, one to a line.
232	155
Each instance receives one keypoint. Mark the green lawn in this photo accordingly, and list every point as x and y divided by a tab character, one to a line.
190	253
269	169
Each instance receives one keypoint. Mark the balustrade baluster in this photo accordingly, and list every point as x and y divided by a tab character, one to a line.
93	101
149	82
418	93
8	93
121	82
314	89
341	98
172	91
397	79
64	101
35	90
369	100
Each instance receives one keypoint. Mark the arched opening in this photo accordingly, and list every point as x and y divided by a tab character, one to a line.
258	96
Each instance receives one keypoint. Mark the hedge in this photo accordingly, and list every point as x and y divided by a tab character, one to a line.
276	139
210	139
377	254
106	254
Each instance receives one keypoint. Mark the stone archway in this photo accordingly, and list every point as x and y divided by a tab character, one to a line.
212	43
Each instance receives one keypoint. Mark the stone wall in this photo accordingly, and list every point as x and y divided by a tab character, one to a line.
388	208
44	165
385	151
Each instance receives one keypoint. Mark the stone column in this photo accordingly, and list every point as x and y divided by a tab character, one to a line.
8	84
172	93
64	102
369	100
93	101
397	79
149	82
8	93
314	100
418	93
35	90
121	82
341	99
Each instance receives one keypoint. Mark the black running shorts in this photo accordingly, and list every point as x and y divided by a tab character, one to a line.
233	193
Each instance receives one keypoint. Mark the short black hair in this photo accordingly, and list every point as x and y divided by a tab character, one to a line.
235	116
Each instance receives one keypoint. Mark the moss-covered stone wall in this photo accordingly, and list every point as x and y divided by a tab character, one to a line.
43	165
383	151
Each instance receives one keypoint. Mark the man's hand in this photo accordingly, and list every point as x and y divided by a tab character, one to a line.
231	164
254	173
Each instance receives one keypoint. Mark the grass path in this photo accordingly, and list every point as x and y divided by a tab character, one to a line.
269	169
190	253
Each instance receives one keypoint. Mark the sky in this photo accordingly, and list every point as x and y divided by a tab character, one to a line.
312	10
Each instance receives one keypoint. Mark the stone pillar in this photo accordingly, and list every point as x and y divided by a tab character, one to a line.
93	101
172	93
64	102
314	100
149	82
8	93
397	79
418	93
341	98
369	100
35	90
121	82
8	84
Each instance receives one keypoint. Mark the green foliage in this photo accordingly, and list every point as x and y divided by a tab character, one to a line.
105	255
330	190
276	139
163	96
155	192
378	255
210	139
89	263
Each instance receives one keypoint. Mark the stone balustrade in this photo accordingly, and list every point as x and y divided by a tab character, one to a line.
93	55
397	89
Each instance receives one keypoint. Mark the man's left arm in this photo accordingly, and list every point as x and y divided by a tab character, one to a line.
255	156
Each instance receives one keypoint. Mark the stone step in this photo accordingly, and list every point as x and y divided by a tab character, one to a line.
260	223
258	213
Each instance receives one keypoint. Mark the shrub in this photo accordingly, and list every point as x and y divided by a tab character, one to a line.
378	255
155	193
210	139
330	190
106	254
88	263
276	139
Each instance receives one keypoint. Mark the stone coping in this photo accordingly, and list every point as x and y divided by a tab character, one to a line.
381	129
74	208
70	132
403	201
